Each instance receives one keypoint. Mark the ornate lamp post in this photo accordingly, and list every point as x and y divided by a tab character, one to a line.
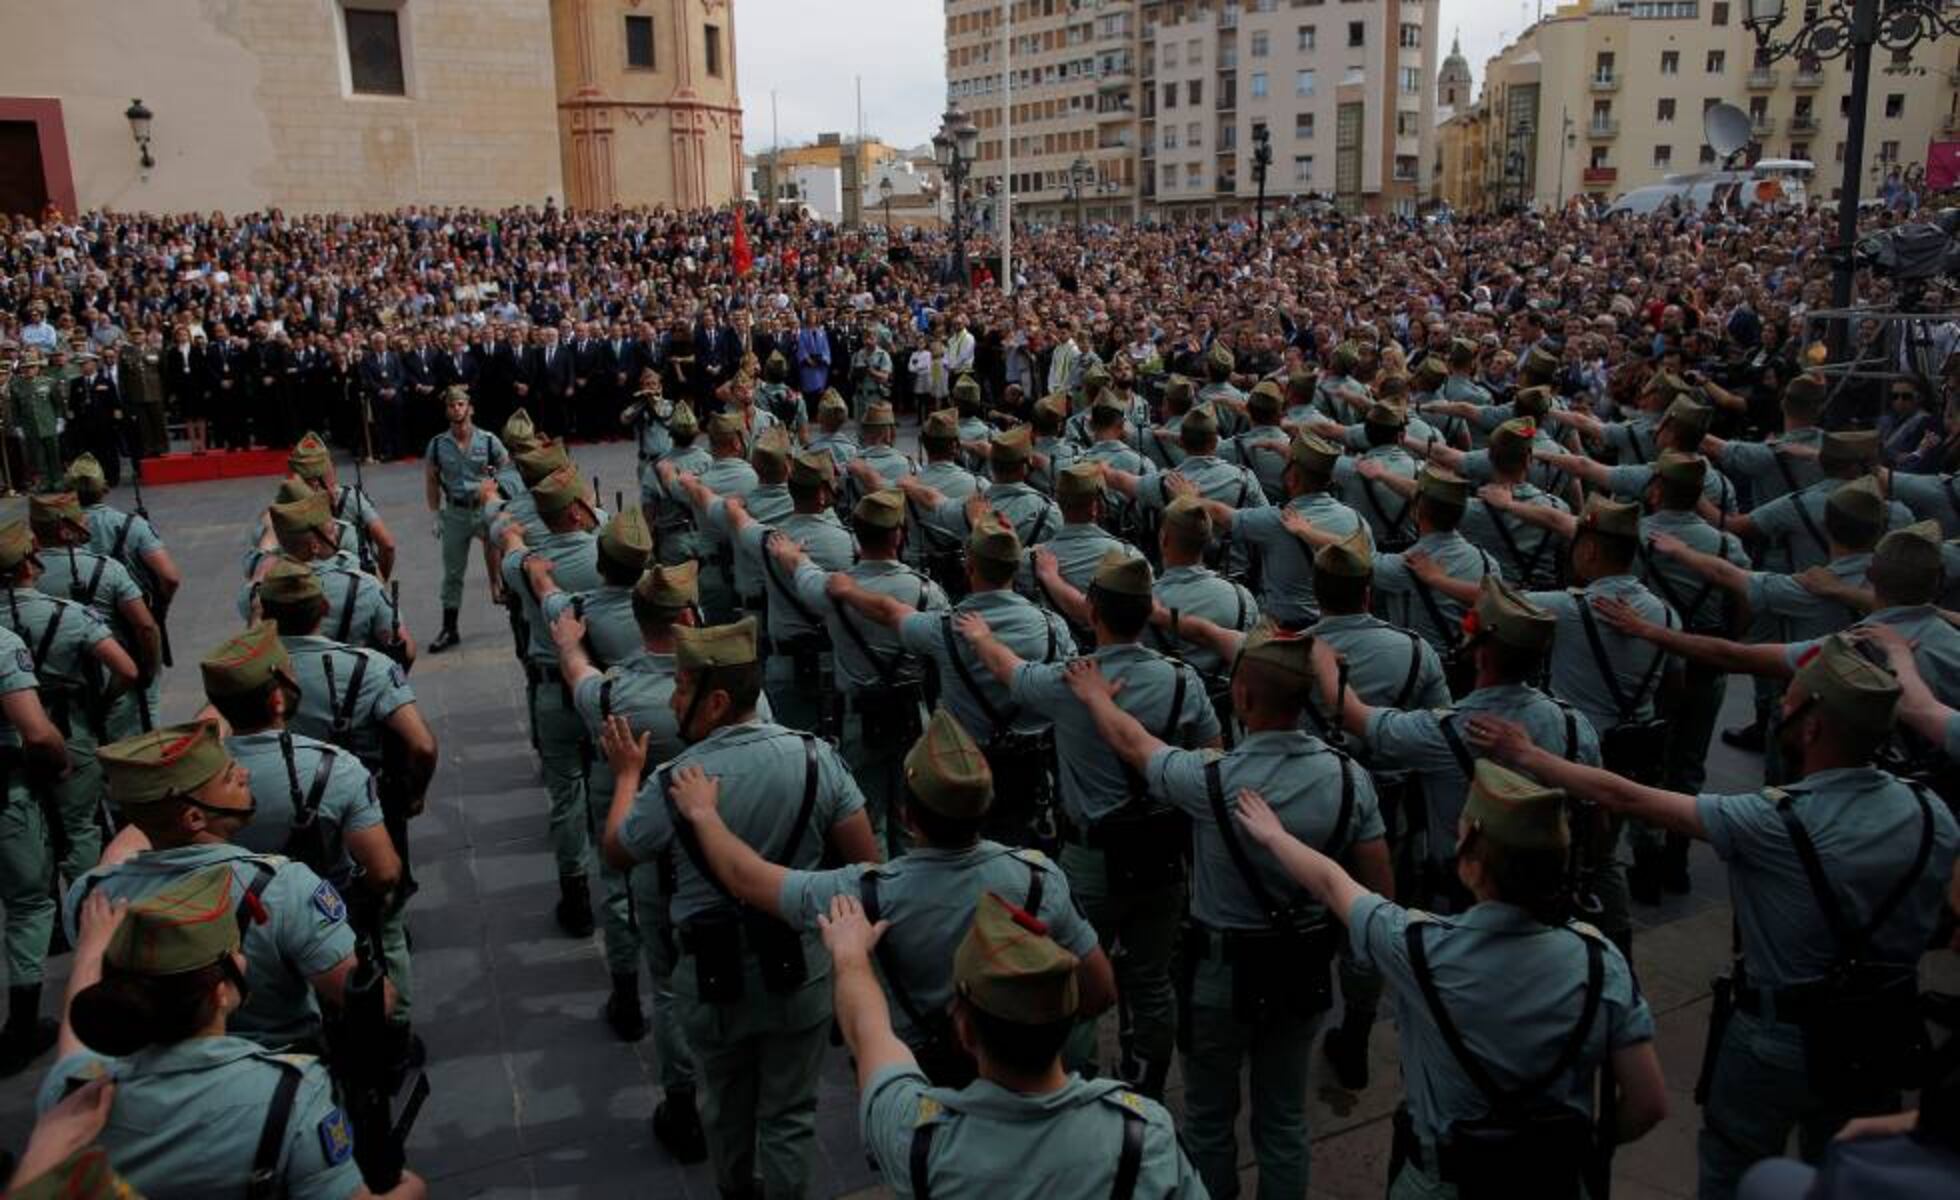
885	196
139	117
1262	161
952	148
1079	175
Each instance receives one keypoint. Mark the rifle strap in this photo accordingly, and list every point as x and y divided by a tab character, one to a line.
1629	707
691	842
1228	832
1852	941
345	625
1001	721
264	1183
1408	689
887	959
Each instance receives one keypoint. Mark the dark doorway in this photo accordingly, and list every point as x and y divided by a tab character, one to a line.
23	179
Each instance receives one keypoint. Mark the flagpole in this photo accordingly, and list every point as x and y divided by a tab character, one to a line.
1007	147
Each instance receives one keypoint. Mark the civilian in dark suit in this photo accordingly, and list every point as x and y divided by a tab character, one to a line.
184	384
382	379
551	368
94	408
717	351
588	383
617	355
275	382
422	407
230	387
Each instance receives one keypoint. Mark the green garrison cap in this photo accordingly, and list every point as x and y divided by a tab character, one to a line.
1054	406
1506	615
878	415
1275	647
310	457
190	924
540	461
883	509
776	361
1013	446
1189	514
810	468
16	543
1515	810
1123	574
456	391
1533	402
1686	470
1849	686
966	390
301	516
519	433
994	539
292	488
1692	417
1517	429
174	760
1313	452
558	491
1346	357
1220	356
246	662
1078	481
724	423
1860	501
674	587
85	475
946	772
715	646
942	425
626	540
1615	518
1846	447
1443	486
48	513
1907	564
289	581
1178	390
1540	363
1200	422
1008	967
1431	372
1266	400
771	450
1095	378
1463	349
1351	557
1387	414
682	420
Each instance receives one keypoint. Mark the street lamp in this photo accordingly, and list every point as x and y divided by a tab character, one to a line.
1848	27
1079	175
1262	160
1571	140
885	195
139	128
952	148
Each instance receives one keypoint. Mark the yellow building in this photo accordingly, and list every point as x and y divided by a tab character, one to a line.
361	105
1603	97
1459	172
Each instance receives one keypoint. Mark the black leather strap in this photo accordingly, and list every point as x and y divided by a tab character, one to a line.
1629	707
1852	942
921	1160
265	1183
1408	689
1129	1163
1228	832
346	623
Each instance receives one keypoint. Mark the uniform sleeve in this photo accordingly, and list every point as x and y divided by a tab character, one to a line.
557	602
1777	594
1066	924
1409	740
646	832
1150	491
919	634
1199	718
16	665
1748	459
1257	526
1739	824
1375	931
585	698
78	1068
513	571
1178	778
1432	688
1628	481
1629	1022
805	894
841	785
889	1111
353	786
309	920
1040	687
810	583
1778	519
1368	825
319	1144
1476	467
389	683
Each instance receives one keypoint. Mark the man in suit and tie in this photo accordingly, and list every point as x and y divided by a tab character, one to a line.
588	382
616	357
716	349
228	373
422	408
382	379
458	367
94	408
553	383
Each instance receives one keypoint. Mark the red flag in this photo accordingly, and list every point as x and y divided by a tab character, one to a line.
744	257
1942	166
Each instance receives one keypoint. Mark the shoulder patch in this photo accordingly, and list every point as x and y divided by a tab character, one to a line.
1585	930
328	901
23	661
336	1142
1029	854
396	678
929	1111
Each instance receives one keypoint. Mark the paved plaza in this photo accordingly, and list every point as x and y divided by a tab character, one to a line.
533	1097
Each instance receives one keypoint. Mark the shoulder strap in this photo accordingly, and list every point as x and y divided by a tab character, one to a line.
887	670
121	540
1668	593
1627	707
1453	1037
343	717
1000	720
1040	527
1129	1162
605	697
1037	882
1408	689
1465	762
887	959
45	642
1527	567
87	595
264	1183
1571	730
1428	597
1853	942
1809	522
774	571
921	1160
345	626
1234	846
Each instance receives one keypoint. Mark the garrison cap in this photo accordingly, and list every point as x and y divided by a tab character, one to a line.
883	509
1123	574
1533	402
725	423
47	513
1443	486
246	662
1907	564
1054	406
456	391
994	539
519	434
1095	378
682	420
966	390
1008	967
558	491
1849	686
1314	453
1387	414
85	475
1266	399
1463	348
1189	514
1178	390
172	760
1860	501
941	425
878	415
776	361
1221	356
1540	363
310	457
1689	415
1431	371
1273	646
1667	385
289	581
1351	557
1201	422
1346	357
1013	446
189	925
1515	810
541	460
1517	429
716	646
1078	481
771	448
1687	470
1848	446
306	515
946	772
625	539
1614	518
1506	615
292	488
811	468
675	587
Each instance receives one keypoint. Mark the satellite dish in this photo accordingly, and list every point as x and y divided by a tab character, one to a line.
1727	130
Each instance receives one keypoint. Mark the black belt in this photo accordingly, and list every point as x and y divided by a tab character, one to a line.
539	673
1226	945
759	602
1791	1005
474	500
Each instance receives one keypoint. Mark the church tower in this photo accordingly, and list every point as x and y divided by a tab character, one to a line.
1453	81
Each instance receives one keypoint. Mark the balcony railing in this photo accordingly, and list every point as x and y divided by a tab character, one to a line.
1598	176
1803	123
1227	183
1606	83
1603	127
1761	124
1807	79
1762	79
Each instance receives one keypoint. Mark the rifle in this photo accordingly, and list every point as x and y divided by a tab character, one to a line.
152	595
359	1039
360	526
397	649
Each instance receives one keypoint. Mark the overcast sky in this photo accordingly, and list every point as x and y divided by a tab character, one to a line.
811	55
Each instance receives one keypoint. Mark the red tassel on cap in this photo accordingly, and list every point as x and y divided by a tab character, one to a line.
255	909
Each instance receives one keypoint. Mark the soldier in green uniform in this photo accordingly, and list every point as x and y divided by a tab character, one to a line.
648	416
612	635
1235	487
1219	394
360	611
1109	434
81	668
1034	516
569	555
880	700
1026	1127
777	398
1049	451
1122	854
312	460
263	542
927	893
1441	498
72	572
35	400
1261	446
1388	511
1258	951
672	519
30	746
871	367
639	689
459	460
131	540
751	990
1794	521
1389	666
1082	542
186	797
934	548
1527	553
831	436
739	566
1507	1011
1159	443
1331	391
879	429
1187	585
1846	864
157	993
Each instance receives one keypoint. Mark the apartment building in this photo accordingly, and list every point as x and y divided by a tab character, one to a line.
1606	96
1161	103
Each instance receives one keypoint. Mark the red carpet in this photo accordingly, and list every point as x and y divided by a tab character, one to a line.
213	464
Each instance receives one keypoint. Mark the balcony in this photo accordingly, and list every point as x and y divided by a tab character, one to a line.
1606	83
1228	101
1807	79
1115	81
1762	124
1228	18
1603	127
1803	123
1228	184
1599	176
1762	79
